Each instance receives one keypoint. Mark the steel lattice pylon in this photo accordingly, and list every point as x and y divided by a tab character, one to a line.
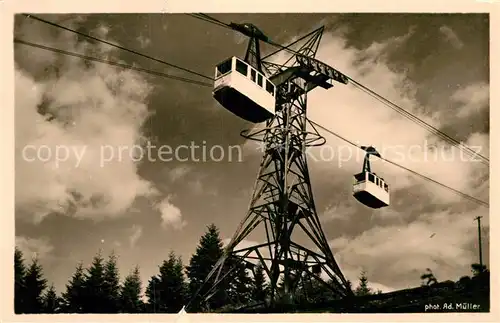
282	201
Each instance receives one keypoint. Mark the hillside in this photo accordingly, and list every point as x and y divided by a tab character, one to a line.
465	295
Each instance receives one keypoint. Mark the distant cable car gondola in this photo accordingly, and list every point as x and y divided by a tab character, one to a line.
368	188
244	91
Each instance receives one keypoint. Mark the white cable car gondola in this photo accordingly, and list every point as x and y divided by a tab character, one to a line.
244	91
368	188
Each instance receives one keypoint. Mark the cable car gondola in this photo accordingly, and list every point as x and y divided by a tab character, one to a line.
244	91
370	189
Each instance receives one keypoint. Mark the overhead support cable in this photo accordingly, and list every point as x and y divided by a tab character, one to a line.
118	46
209	85
433	130
462	194
112	63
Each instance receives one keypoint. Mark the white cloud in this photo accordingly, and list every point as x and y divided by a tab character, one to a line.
34	248
375	287
171	215
451	37
98	109
340	211
102	30
242	245
359	118
473	97
363	120
136	234
396	255
178	172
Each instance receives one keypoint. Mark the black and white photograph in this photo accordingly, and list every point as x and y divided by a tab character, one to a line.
251	163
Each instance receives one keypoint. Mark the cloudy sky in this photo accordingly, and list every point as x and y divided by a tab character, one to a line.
435	66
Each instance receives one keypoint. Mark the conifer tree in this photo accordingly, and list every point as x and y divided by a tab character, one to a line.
95	298
428	278
363	288
111	285
51	302
208	252
478	269
240	290
73	298
35	284
130	294
153	293
169	290
259	289
316	291
19	281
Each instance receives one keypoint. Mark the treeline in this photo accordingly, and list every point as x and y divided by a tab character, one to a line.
98	289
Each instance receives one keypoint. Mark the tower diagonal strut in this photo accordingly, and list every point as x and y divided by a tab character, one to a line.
282	202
